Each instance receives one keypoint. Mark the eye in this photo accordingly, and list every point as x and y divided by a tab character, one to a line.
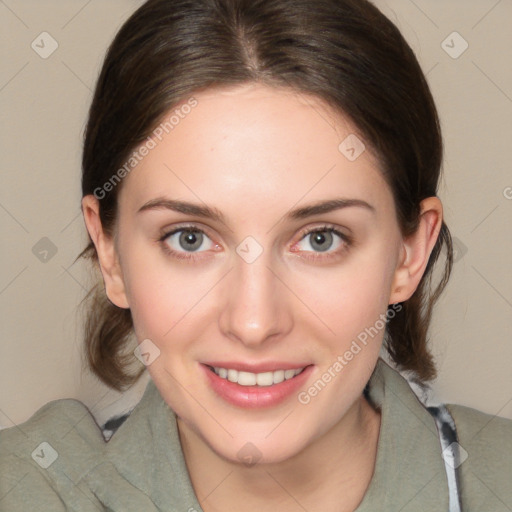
185	240
324	239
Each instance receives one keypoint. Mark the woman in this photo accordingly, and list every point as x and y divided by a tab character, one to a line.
259	186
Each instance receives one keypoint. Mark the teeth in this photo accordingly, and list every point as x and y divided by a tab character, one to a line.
253	379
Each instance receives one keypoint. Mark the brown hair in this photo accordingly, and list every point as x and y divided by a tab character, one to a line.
345	52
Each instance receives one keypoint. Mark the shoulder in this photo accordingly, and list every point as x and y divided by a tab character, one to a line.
485	465
61	421
473	422
44	458
484	433
57	414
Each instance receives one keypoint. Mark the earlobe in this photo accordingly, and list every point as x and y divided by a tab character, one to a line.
416	250
107	257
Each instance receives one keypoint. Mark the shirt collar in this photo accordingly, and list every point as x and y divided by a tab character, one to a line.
409	472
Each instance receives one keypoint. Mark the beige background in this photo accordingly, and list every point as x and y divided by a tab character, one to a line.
44	104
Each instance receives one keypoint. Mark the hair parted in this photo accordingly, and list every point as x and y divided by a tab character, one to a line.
345	52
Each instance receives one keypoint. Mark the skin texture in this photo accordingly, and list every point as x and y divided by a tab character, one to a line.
254	153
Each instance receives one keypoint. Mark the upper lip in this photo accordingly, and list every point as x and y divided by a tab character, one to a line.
269	366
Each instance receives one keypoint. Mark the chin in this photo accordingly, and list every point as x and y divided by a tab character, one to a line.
251	449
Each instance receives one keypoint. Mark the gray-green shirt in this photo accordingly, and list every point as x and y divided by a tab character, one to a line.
59	461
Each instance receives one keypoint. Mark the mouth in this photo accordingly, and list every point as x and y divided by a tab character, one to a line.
268	387
262	379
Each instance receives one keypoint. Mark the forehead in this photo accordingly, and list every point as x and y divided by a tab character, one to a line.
251	144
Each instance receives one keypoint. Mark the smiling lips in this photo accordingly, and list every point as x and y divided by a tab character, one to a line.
256	379
264	386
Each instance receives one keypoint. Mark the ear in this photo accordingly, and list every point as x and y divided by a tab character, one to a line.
107	255
416	250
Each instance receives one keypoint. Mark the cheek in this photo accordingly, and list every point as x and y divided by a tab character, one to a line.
166	299
353	303
351	297
159	303
150	303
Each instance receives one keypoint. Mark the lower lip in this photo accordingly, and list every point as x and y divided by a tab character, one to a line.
251	397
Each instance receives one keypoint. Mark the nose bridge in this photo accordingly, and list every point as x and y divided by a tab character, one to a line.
255	308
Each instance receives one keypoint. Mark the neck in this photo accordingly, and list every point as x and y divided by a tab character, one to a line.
331	474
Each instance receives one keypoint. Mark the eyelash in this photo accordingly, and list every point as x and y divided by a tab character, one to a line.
347	242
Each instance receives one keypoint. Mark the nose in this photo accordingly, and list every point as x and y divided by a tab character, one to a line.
256	308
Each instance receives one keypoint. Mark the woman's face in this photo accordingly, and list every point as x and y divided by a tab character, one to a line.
245	285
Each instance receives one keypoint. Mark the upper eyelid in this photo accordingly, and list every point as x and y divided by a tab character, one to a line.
185	227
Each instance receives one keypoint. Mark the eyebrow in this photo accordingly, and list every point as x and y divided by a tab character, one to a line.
204	211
